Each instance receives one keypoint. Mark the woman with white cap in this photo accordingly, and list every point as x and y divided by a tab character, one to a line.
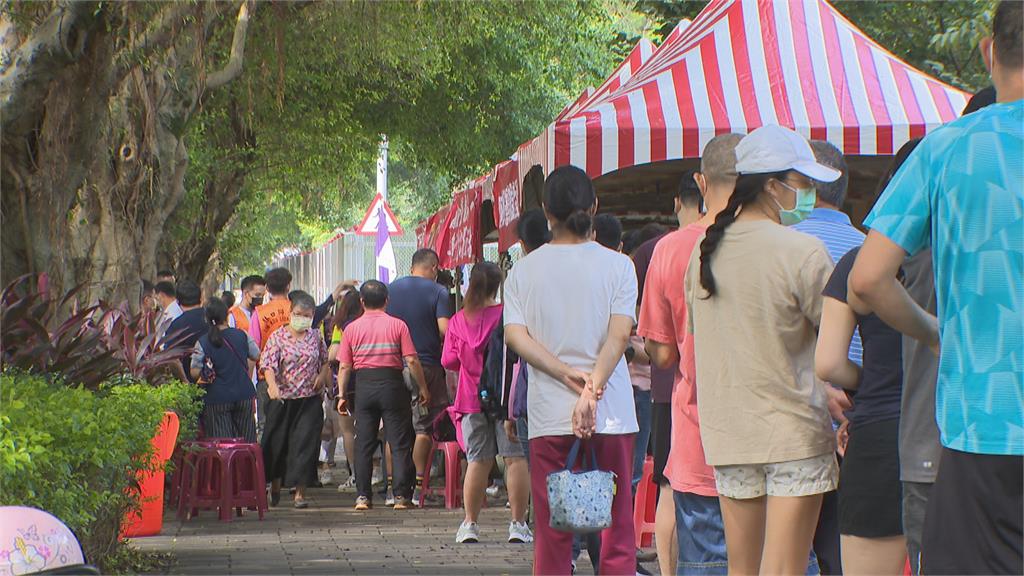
754	298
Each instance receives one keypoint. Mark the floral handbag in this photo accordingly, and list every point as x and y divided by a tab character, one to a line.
581	502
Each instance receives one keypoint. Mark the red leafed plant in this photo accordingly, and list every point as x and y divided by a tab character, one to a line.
82	346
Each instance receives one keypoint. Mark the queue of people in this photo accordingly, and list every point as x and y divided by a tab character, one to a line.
815	401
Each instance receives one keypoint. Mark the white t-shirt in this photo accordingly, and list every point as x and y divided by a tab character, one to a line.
565	294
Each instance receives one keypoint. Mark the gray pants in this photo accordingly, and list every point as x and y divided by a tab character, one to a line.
915	502
262	398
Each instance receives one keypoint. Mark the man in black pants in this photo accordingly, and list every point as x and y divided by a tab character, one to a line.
374	347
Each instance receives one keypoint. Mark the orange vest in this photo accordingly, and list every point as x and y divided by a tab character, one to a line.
273	315
241	318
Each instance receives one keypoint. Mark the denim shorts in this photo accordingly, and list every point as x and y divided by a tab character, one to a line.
700	531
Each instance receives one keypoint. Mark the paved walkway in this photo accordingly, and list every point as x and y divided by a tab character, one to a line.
331	538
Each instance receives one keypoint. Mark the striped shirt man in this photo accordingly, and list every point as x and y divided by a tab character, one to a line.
839	236
376	340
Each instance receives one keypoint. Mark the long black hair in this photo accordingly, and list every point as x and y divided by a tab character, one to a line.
484	282
569	196
216	314
350	308
748	189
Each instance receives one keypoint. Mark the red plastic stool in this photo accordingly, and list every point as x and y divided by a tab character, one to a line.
222	476
645	506
452	475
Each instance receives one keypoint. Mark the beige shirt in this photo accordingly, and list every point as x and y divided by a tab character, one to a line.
757	396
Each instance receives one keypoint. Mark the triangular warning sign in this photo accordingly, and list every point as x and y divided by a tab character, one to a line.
372	219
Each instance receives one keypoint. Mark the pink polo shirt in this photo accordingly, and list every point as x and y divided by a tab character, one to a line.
376	340
663	319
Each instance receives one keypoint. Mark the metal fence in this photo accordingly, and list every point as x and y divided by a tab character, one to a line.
351	257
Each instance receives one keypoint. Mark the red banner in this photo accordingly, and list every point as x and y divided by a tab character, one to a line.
459	239
507	202
428	231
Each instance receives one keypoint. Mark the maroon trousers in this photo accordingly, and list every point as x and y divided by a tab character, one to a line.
552	549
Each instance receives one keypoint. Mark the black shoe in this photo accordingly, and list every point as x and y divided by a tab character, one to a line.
642	556
275	498
641	570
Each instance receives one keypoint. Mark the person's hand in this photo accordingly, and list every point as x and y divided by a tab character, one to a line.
573	378
838	403
273	392
584	415
342	286
592	387
511	432
342	405
842	438
424	399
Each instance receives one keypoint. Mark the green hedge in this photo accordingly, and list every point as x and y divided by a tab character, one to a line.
75	452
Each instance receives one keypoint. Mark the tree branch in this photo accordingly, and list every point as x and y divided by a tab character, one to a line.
157	36
233	68
25	71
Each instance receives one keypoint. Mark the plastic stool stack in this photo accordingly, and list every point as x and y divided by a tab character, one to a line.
222	475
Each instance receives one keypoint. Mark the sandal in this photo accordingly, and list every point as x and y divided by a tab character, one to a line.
301	504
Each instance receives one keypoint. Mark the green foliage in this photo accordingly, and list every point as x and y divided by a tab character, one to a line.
86	347
75	452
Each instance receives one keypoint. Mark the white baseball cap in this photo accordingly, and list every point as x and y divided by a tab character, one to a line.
773	148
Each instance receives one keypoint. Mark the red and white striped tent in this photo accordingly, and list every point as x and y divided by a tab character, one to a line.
744	63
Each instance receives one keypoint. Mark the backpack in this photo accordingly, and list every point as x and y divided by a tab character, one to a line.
496	379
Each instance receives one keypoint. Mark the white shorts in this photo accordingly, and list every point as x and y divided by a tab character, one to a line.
807	477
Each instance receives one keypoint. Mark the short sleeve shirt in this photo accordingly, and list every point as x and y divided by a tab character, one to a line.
661	378
420	302
565	295
877	397
663	318
960	192
754	340
376	340
295	361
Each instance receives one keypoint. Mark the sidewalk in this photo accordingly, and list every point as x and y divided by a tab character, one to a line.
331	538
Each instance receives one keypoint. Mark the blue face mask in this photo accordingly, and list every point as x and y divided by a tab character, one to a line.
805	199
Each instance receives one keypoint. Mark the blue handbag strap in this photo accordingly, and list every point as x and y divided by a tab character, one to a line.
574	453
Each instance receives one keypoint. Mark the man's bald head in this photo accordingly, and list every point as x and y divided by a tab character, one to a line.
718	162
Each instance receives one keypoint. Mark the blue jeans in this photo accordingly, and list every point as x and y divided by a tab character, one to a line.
642	401
701	534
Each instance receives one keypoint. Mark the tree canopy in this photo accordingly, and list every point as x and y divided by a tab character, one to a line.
206	136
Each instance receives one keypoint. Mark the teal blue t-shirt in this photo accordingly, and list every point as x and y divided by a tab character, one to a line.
961	192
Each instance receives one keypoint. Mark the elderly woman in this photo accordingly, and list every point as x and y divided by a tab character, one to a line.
295	365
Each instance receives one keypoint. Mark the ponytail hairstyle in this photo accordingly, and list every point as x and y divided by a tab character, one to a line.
748	190
484	282
216	314
568	197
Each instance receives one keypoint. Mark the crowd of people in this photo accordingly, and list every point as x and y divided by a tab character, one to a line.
814	399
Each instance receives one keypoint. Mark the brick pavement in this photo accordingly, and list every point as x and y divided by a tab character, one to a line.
331	538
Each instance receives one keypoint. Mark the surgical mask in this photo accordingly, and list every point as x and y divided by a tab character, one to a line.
255	301
301	323
805	199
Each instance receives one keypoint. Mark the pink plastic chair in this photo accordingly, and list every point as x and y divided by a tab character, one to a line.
452	475
222	476
645	506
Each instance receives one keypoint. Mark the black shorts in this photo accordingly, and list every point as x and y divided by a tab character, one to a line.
974	520
661	438
870	492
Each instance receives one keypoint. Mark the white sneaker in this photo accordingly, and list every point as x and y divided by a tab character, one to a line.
347	484
390	500
325	476
519	533
469	533
493	490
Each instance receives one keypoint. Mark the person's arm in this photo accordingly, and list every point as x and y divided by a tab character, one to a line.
254	328
272	390
344	375
656	323
832	355
662	355
198	357
271	357
323	310
640	352
450	351
518	339
874	281
443	312
416	368
614	347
